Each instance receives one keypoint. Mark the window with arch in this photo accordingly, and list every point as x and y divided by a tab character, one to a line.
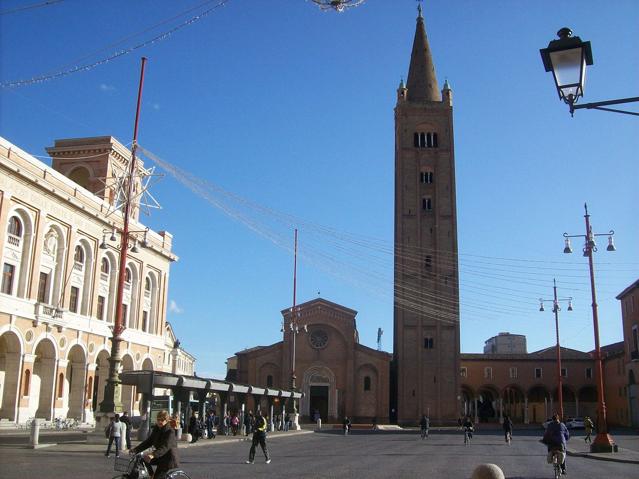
269	381
367	383
422	139
78	258
127	277
105	267
78	255
147	287
26	383
427	203
14	230
426	177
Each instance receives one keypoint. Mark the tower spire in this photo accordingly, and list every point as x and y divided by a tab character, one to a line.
422	81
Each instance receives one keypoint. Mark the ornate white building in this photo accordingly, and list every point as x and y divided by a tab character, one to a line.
59	280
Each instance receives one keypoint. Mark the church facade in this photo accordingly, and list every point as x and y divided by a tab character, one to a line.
338	375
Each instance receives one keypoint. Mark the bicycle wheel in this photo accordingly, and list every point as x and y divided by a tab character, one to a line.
177	474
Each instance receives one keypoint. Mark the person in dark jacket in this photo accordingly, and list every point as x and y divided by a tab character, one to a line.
508	429
555	438
162	438
127	421
194	427
259	437
347	425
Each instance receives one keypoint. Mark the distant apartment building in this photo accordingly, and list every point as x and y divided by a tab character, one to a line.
506	343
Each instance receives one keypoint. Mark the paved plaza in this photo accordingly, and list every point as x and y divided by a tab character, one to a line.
331	455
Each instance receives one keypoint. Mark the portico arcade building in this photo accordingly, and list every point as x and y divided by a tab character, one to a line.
58	285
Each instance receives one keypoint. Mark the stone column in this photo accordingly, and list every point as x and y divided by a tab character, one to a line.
476	412
58	402
501	410
89	382
26	362
576	405
526	420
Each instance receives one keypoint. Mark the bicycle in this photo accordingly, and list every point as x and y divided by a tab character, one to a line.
134	467
557	460
468	435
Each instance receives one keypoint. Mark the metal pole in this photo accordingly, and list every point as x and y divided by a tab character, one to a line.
559	380
112	392
603	441
294	330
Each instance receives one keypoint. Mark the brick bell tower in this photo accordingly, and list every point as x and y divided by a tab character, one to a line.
425	374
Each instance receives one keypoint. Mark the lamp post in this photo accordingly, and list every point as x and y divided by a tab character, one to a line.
294	330
567	59
555	309
111	402
603	442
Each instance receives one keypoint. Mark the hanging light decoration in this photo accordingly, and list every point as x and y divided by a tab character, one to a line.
337	5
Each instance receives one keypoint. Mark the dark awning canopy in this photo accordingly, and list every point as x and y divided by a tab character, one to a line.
146	381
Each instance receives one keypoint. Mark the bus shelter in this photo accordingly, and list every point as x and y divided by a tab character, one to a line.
193	393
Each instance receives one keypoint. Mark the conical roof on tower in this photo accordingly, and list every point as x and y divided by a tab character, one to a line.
422	81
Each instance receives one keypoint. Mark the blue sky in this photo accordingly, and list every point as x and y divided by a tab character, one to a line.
291	109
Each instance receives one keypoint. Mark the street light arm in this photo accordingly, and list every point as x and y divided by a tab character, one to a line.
599	104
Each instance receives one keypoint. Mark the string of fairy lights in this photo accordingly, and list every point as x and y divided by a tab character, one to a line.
492	286
66	70
155	39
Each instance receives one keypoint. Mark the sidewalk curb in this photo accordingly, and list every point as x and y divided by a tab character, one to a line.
233	440
596	457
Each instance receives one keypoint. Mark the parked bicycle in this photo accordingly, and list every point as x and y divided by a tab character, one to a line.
134	467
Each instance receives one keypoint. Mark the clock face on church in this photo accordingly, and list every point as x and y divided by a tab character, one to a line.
318	338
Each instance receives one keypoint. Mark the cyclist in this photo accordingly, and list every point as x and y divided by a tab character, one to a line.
163	440
508	429
555	438
468	428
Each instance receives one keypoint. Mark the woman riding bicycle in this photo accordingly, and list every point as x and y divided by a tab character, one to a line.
163	440
555	438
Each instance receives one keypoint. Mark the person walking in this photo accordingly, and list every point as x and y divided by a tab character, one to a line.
163	440
126	420
248	423
194	427
210	425
508	429
116	431
589	426
424	425
259	437
347	425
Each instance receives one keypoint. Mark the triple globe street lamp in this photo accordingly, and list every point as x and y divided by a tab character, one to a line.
603	442
555	309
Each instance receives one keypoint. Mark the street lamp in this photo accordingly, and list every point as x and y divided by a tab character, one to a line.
111	402
294	330
603	442
555	309
567	59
